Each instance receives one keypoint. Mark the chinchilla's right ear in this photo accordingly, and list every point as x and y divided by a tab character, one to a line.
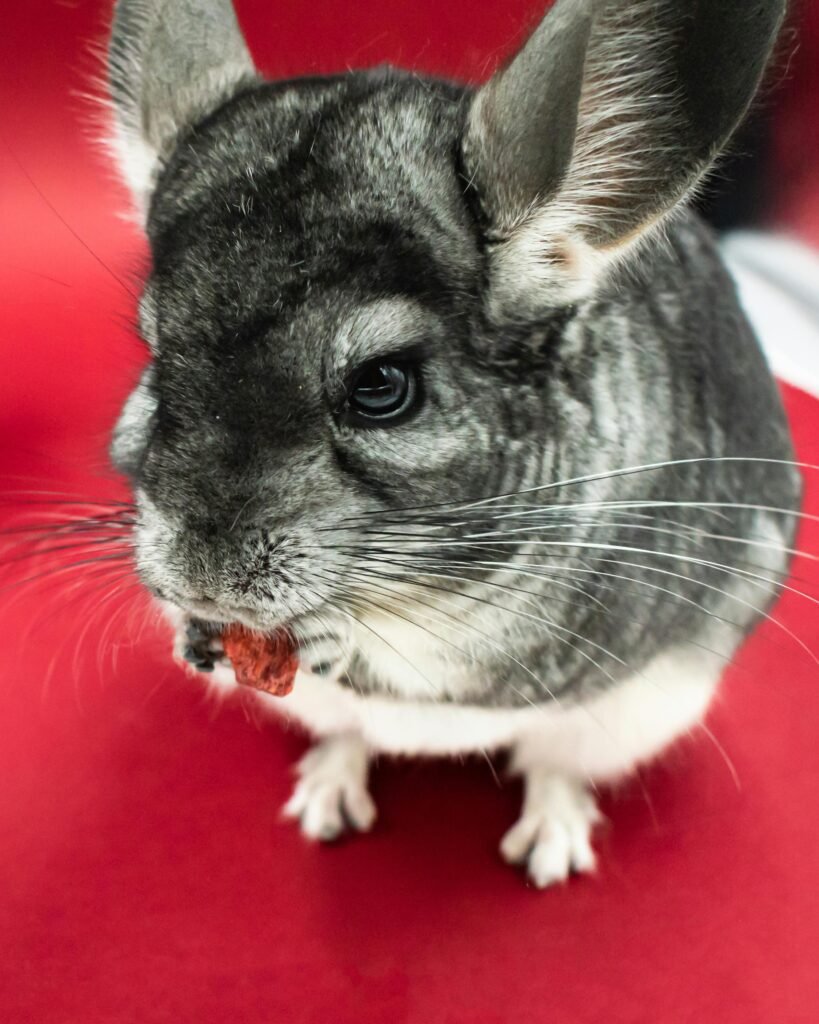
603	123
170	63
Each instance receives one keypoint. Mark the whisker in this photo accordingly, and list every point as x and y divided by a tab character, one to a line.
39	497
366	626
482	637
370	586
523	569
550	624
629	504
652	552
597	477
111	273
55	571
729	764
727	594
422	557
38	553
435	689
418	575
547	574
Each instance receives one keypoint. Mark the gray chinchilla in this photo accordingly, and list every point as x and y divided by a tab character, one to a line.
449	383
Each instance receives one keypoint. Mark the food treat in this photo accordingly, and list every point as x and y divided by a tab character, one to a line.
265	662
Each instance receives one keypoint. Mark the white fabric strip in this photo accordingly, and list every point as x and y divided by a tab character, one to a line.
778	280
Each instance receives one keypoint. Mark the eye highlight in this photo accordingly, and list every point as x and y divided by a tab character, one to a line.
382	392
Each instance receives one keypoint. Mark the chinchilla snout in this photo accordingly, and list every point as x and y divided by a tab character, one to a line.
243	573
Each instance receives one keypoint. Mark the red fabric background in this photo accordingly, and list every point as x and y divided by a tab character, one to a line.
144	875
795	101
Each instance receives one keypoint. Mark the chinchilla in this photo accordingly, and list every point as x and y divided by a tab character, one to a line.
449	382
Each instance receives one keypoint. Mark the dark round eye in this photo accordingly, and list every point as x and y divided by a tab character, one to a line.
382	392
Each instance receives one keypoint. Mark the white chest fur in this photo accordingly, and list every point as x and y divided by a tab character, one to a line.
419	660
600	740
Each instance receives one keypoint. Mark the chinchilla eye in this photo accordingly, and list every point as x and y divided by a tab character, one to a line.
382	392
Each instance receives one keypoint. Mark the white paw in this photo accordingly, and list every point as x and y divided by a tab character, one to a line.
331	795
553	835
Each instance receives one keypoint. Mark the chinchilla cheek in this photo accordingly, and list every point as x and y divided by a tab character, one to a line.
323	651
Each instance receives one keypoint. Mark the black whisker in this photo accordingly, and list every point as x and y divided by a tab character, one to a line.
112	274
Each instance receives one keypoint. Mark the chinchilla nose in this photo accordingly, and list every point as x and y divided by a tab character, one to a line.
231	572
188	596
209	608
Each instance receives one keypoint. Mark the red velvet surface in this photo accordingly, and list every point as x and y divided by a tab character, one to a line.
795	100
144	873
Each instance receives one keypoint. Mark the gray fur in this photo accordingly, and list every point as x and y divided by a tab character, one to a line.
523	122
171	62
299	229
647	94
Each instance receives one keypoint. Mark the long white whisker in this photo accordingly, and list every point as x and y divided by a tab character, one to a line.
595	477
700	583
447	623
551	624
675	556
482	637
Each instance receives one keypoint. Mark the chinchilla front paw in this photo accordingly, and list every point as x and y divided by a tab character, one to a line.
323	647
199	644
331	796
552	837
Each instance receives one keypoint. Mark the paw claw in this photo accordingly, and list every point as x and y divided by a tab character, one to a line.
518	841
322	818
331	795
553	836
359	809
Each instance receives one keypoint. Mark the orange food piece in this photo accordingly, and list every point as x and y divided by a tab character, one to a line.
265	662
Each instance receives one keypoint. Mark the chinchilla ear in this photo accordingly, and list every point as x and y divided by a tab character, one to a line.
170	63
602	124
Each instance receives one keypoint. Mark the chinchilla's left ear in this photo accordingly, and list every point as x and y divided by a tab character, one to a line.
170	63
603	123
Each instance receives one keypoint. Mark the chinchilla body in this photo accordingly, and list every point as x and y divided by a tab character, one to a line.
448	381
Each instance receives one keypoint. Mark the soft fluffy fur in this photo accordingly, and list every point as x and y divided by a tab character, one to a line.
481	574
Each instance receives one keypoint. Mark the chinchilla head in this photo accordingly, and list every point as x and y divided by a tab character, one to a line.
369	292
